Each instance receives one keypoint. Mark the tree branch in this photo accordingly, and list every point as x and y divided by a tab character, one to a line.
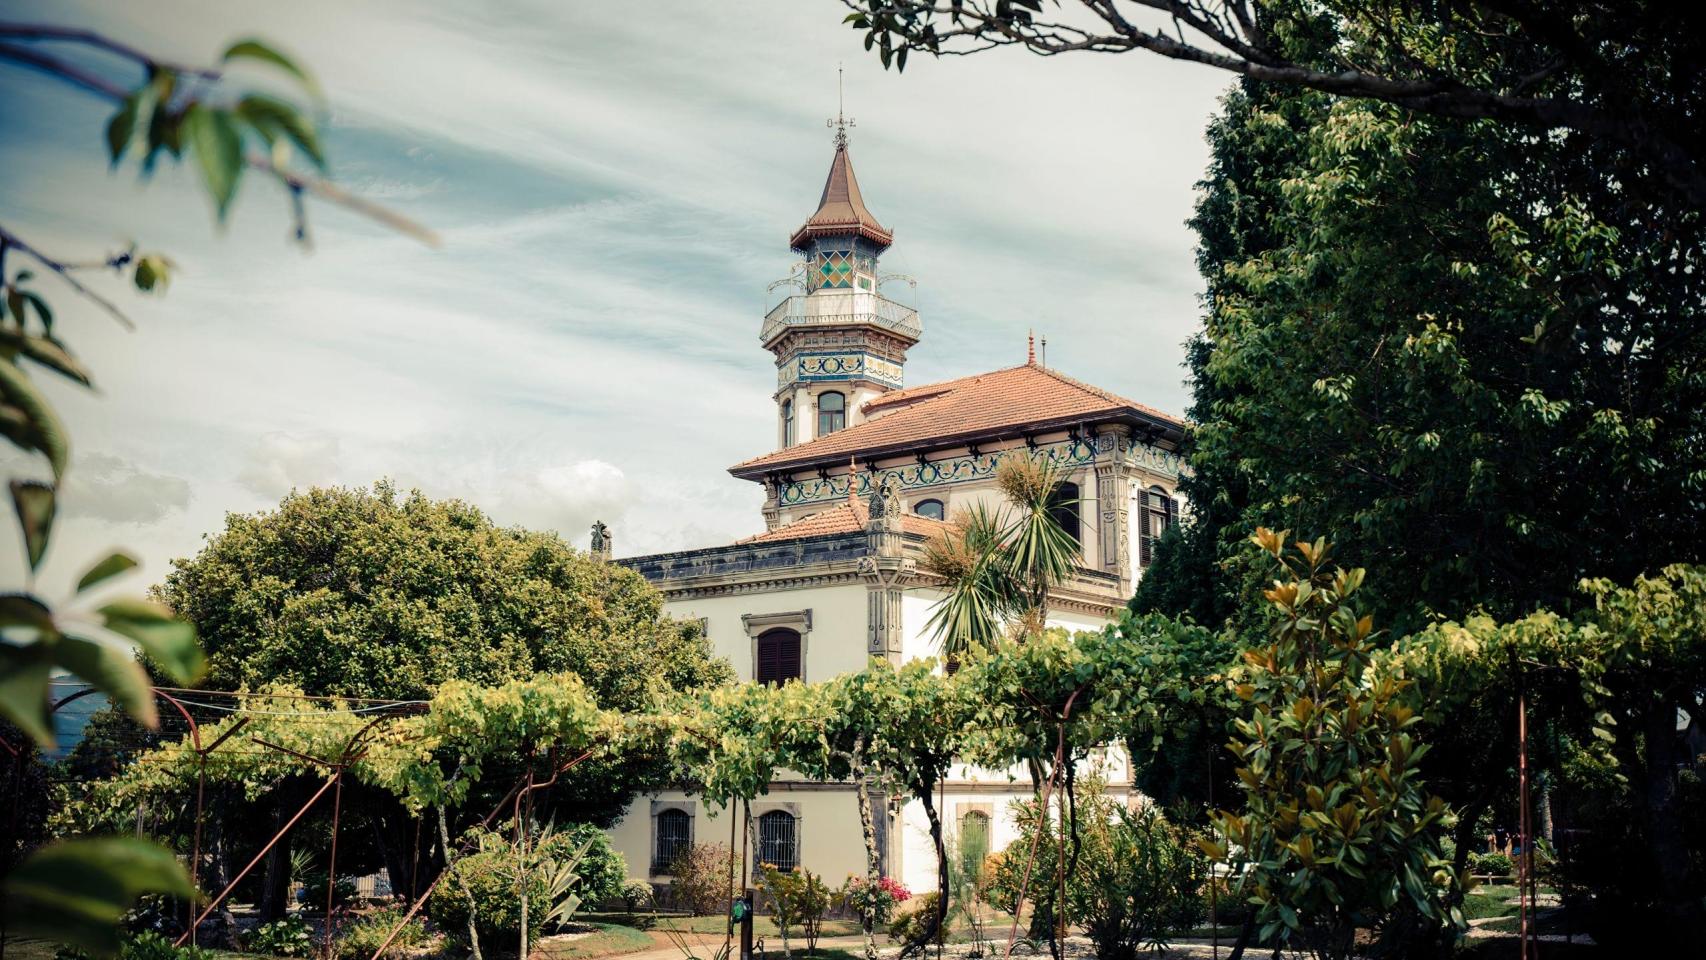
37	31
64	271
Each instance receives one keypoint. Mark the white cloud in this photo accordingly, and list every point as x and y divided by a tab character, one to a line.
614	183
113	489
281	462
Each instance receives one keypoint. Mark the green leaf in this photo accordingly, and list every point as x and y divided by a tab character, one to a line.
42	311
271	117
37	427
252	49
121	129
218	148
23	610
170	642
35	504
25	672
46	351
112	669
76	891
112	566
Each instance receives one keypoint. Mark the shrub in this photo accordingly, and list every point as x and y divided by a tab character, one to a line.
358	940
314	891
493	876
882	897
798	898
284	937
149	945
1494	864
1139	879
701	879
638	895
909	925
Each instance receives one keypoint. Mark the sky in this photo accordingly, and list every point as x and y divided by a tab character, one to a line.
614	184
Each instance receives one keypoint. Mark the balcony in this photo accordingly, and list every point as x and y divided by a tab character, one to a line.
840	308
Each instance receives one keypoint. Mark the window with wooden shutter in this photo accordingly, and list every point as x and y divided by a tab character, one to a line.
1156	511
778	657
1065	511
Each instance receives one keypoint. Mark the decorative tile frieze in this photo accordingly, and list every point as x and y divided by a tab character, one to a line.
820	367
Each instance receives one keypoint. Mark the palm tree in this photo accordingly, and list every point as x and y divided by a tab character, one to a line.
999	565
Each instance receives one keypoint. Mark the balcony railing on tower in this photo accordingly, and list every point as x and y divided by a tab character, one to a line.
830	308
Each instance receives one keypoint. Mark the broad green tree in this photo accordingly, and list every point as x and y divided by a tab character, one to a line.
373	593
346	592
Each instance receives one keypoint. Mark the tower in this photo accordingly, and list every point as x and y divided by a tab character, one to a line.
840	342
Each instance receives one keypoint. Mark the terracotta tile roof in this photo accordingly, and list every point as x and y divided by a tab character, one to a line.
845	517
841	211
1004	401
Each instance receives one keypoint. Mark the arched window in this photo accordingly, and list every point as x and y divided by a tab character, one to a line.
787	423
831	412
1065	511
974	839
778	657
779	840
1157	511
672	835
930	508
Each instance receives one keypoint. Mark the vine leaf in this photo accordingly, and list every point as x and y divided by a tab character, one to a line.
256	50
170	642
218	148
24	675
118	562
28	421
35	503
114	669
77	891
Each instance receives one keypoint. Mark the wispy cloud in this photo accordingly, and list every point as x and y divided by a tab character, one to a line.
615	183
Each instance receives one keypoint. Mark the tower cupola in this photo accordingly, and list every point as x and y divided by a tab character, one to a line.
839	342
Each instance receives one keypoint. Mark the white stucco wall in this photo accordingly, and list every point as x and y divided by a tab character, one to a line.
835	644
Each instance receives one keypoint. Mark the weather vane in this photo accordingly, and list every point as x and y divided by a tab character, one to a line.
841	121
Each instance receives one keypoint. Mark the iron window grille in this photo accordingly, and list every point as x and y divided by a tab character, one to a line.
778	840
673	834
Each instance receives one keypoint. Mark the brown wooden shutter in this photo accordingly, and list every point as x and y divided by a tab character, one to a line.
1144	525
778	657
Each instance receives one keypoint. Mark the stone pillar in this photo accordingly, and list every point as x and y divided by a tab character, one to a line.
602	542
886	570
772	503
1113	502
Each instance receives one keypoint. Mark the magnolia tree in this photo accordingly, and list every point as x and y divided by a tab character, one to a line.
1336	831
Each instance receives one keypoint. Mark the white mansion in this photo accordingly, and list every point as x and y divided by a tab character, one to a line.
827	586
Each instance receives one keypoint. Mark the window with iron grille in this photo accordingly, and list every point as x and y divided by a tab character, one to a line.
778	656
672	834
1156	512
778	840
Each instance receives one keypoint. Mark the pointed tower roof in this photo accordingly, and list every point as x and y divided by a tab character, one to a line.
841	212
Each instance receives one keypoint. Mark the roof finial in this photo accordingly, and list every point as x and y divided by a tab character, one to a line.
852	478
1030	348
841	121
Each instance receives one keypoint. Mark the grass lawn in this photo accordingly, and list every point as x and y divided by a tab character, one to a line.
1489	901
607	939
